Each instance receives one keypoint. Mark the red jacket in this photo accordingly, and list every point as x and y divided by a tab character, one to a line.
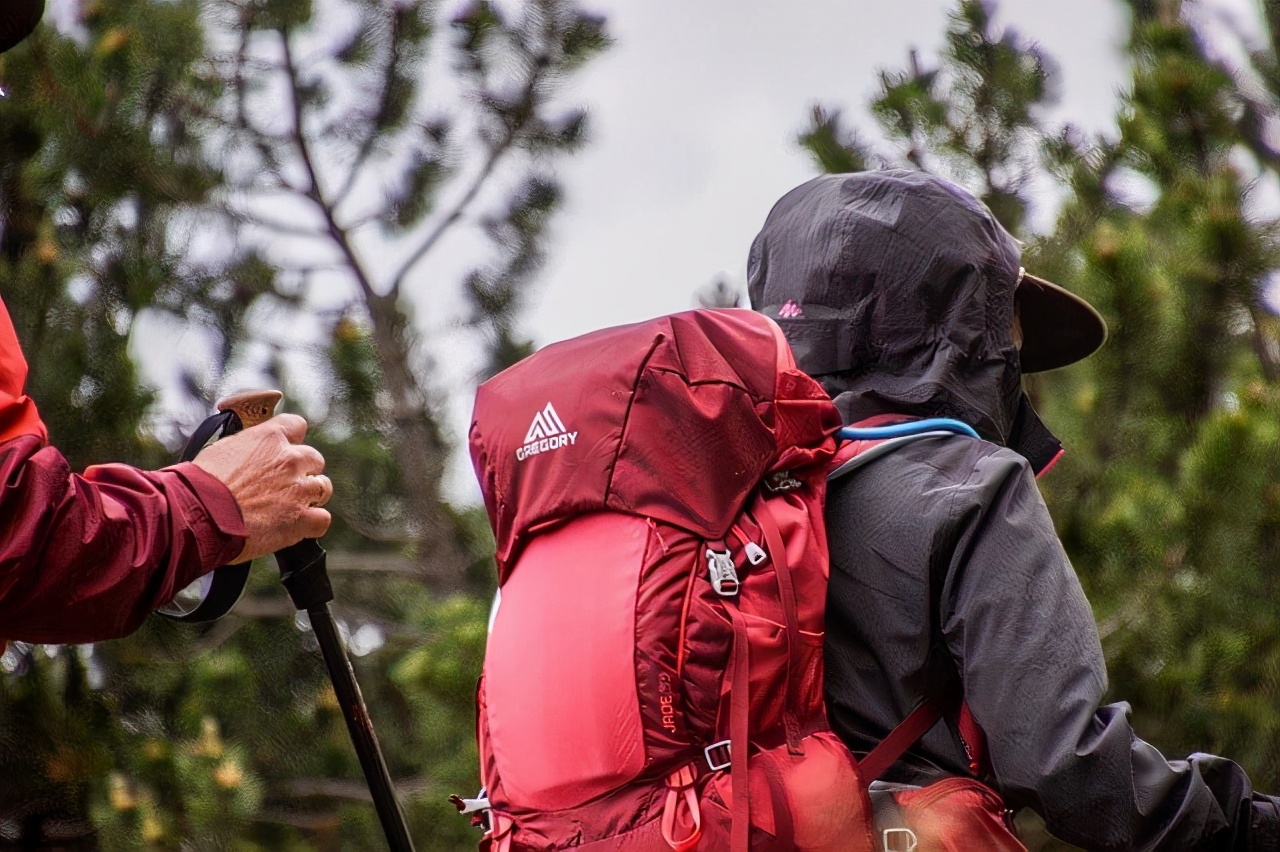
85	558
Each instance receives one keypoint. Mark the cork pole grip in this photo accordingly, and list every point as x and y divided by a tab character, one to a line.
252	407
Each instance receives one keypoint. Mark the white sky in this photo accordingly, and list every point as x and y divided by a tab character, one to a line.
694	114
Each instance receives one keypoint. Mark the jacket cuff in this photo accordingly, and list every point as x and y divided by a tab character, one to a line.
220	528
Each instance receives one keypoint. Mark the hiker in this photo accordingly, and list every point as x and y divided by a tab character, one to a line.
87	557
905	298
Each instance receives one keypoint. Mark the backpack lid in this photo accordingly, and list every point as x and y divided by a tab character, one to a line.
677	418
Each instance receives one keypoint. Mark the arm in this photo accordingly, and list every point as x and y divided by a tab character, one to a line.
1024	640
85	558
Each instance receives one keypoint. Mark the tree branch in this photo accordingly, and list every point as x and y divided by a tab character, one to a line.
281	227
443	226
315	192
366	145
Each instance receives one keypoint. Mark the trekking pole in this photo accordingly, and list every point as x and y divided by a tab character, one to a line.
304	576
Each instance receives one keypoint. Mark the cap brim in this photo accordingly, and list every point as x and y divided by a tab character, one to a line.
1058	327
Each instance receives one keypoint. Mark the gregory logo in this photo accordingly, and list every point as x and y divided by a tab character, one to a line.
546	433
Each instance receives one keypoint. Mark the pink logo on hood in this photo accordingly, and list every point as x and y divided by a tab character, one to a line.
790	310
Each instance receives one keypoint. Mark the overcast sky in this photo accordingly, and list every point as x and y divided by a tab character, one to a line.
694	114
695	111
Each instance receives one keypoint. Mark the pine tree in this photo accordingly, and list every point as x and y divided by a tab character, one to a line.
149	172
370	175
99	168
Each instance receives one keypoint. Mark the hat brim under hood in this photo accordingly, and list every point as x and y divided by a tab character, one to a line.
1058	327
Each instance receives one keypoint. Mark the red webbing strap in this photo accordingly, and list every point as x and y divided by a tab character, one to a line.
739	741
784	827
787	592
901	738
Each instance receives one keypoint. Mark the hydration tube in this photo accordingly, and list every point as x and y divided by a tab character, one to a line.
894	436
910	428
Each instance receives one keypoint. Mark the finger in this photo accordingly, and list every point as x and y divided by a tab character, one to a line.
322	489
292	426
313	522
310	461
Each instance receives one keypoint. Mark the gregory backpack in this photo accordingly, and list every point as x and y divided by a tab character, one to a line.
653	676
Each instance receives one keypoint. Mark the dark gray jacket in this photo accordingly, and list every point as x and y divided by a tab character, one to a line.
946	567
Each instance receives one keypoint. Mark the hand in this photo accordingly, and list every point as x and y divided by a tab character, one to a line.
276	480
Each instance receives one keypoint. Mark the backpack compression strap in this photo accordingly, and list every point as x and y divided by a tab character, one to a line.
873	441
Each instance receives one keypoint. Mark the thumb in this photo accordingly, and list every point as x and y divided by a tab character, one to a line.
293	427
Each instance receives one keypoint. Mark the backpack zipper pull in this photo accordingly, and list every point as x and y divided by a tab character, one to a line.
755	553
723	574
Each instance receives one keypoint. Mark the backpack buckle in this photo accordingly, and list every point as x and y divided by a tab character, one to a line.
782	480
723	574
899	840
721	750
478	808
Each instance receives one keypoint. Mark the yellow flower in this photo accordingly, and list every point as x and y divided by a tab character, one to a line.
46	251
228	774
120	795
112	40
210	744
152	830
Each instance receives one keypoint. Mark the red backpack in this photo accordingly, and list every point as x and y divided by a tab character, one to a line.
653	678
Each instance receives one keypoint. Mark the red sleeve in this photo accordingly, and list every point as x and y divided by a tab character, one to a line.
18	414
85	558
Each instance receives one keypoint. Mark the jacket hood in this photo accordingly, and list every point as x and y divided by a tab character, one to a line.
896	291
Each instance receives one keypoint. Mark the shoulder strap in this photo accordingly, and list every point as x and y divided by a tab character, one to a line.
901	738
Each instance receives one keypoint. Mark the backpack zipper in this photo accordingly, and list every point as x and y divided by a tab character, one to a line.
684	615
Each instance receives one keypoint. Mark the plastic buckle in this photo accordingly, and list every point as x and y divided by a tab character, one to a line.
755	553
906	835
712	763
478	808
724	576
782	481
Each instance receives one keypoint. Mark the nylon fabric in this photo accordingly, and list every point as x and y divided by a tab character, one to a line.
552	750
893	322
87	557
643	633
712	631
18	415
637	437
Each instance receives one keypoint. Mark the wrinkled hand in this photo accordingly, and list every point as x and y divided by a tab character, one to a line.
276	480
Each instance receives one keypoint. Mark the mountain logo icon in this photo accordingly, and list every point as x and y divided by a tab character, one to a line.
547	432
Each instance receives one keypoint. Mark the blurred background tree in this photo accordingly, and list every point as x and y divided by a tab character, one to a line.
271	181
1167	499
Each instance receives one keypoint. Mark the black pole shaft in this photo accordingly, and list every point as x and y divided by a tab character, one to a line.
363	737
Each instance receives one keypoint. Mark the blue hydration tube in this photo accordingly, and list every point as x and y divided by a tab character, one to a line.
902	430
